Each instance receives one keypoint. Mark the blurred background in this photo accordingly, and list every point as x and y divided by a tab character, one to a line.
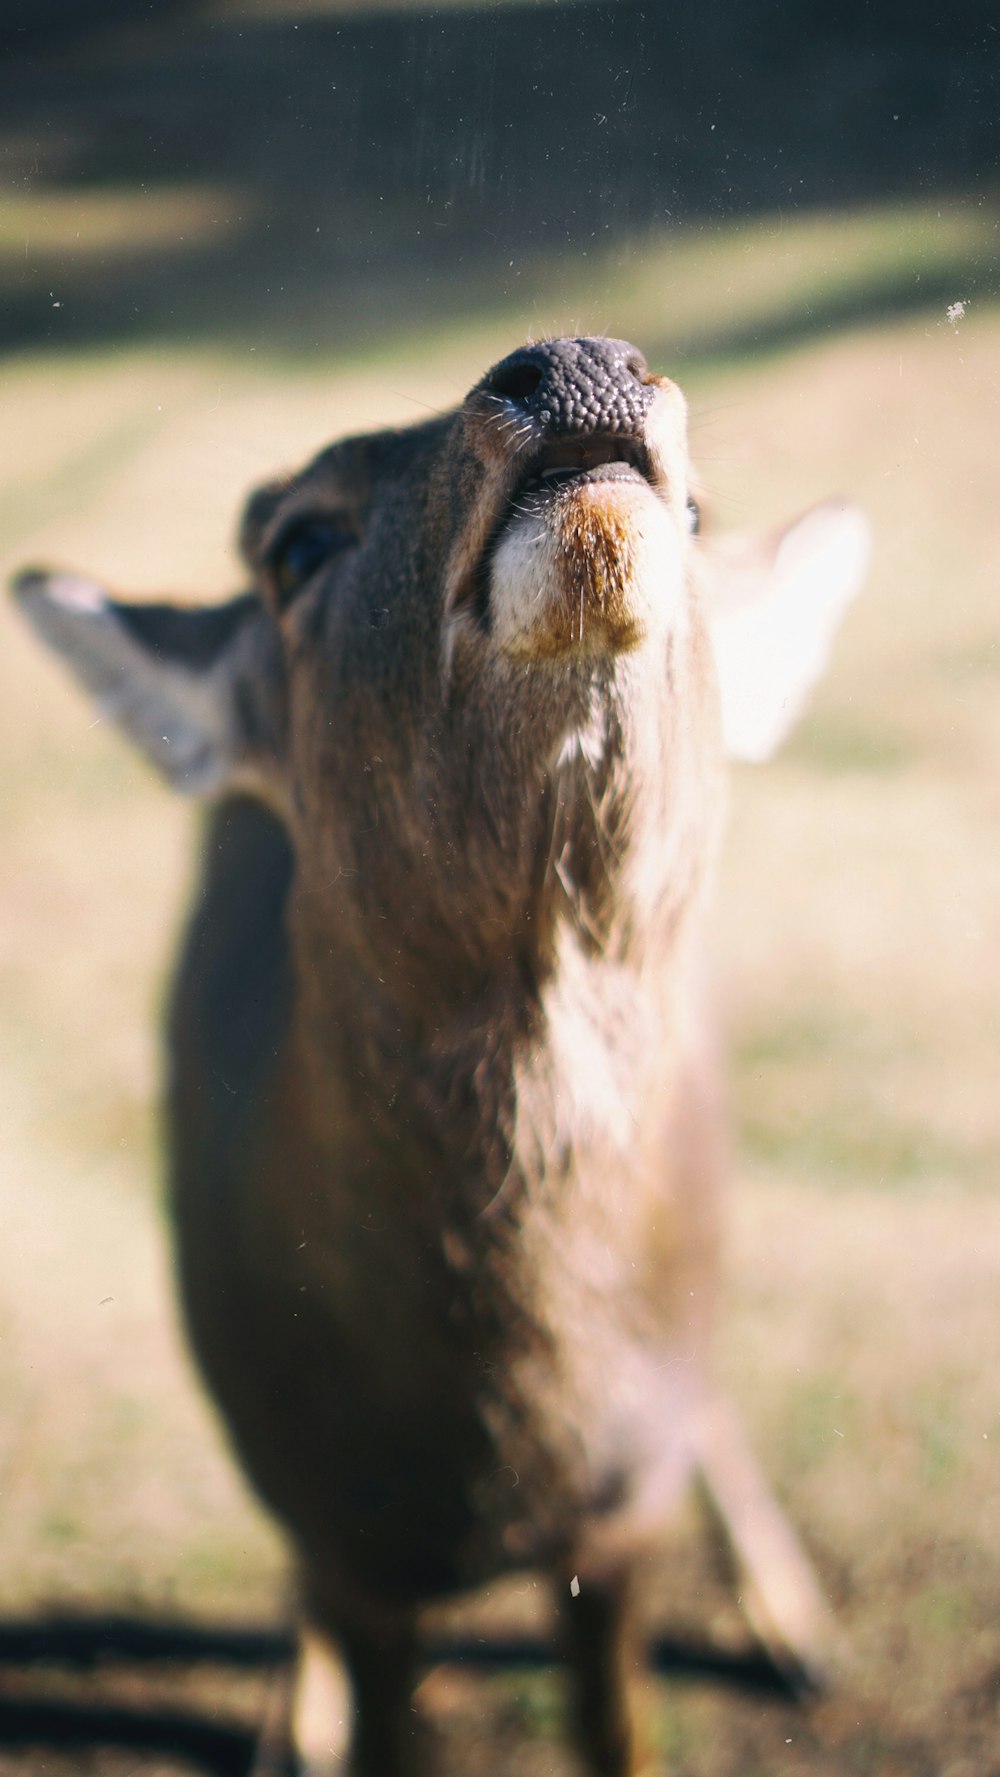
230	230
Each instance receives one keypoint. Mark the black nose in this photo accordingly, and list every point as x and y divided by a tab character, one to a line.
576	385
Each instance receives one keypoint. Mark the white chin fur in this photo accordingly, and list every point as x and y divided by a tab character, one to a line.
591	572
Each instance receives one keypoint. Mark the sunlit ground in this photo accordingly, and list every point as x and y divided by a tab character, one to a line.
859	935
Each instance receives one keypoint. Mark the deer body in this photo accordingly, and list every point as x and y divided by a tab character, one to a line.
469	1291
444	1099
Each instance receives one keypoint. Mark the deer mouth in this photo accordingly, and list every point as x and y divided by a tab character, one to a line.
557	469
580	549
583	553
573	462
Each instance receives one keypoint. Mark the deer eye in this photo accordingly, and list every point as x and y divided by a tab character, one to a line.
693	517
302	549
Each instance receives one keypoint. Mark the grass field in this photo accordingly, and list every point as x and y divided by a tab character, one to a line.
858	933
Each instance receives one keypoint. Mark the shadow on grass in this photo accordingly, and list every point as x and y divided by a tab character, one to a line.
32	1715
351	175
879	300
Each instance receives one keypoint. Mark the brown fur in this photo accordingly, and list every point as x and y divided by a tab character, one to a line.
444	1102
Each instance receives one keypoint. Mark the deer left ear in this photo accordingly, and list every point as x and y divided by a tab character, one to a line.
773	606
197	689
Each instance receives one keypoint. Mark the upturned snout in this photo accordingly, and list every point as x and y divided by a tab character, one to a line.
575	387
575	545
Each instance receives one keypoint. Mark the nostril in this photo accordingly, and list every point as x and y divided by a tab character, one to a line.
564	386
516	381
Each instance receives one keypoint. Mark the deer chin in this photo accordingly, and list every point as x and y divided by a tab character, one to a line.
591	569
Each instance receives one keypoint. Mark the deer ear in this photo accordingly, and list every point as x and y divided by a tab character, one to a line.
198	689
773	608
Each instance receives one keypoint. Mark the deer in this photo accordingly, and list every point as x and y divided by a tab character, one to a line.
447	1129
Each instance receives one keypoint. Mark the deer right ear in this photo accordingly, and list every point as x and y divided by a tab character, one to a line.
774	604
199	690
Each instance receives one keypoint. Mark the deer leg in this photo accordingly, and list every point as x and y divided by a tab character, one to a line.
352	1711
322	1707
306	1720
608	1677
779	1592
388	1737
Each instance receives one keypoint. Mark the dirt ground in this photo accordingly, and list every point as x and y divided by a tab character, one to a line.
858	937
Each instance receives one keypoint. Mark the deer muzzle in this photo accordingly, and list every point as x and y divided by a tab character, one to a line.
577	544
